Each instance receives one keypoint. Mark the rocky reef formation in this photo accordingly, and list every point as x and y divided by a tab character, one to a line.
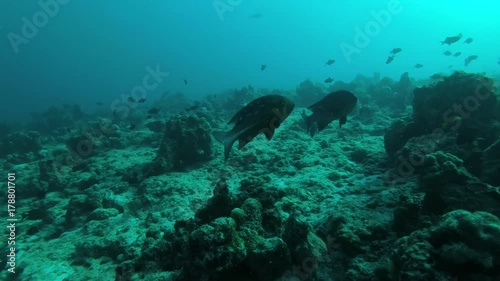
462	103
463	245
55	119
308	93
186	142
20	147
456	115
234	237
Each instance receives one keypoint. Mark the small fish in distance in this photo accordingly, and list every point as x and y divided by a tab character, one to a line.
263	115
452	39
330	62
153	110
469	59
395	51
263	67
255	16
328	80
336	105
389	59
418	65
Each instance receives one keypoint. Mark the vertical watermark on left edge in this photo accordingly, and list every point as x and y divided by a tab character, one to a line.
11	222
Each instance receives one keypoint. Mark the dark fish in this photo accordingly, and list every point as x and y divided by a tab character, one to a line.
130	99
141	100
468	40
457	54
395	51
389	59
418	65
262	115
330	62
469	59
153	110
334	106
452	39
447	53
132	126
328	80
262	67
185	81
98	103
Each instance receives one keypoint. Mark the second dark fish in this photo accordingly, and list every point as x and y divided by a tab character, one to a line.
336	105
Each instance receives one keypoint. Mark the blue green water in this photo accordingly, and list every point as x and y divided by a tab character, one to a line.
94	51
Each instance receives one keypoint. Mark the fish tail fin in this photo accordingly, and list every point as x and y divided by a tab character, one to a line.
225	139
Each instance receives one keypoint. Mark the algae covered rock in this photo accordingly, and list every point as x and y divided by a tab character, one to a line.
463	245
215	249
269	259
186	142
231	239
20	144
219	205
449	186
490	165
399	133
308	93
462	103
81	146
461	94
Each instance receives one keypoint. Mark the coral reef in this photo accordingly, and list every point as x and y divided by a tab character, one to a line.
449	186
228	240
461	246
56	118
186	141
490	164
462	103
149	197
20	147
308	93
